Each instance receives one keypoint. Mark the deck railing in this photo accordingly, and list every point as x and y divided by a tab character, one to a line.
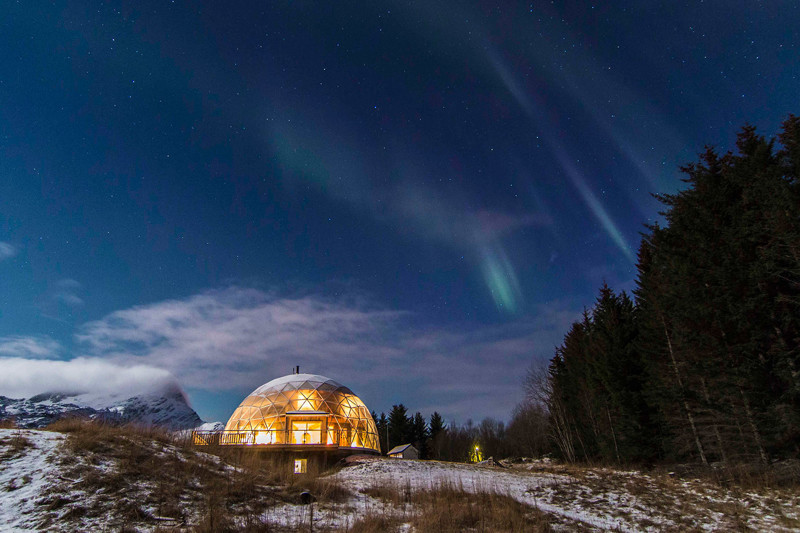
263	437
273	437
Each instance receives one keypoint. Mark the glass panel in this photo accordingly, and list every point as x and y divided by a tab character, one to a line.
357	439
266	437
306	400
306	432
266	411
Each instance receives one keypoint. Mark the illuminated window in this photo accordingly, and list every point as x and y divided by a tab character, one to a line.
306	432
300	466
306	400
265	437
357	437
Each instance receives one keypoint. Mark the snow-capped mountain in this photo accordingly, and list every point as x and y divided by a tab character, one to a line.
165	406
211	426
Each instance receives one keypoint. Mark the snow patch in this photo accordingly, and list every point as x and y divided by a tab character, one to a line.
25	475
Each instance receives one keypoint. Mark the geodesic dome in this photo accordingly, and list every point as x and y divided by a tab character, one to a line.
303	410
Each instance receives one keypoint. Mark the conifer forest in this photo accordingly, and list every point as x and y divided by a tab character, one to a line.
702	362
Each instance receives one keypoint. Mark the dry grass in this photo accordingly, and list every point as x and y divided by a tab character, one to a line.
449	509
145	476
8	423
783	474
15	446
373	524
387	494
323	490
88	435
17	483
744	476
788	522
740	499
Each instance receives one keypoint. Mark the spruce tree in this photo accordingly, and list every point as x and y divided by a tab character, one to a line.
419	435
722	280
437	431
382	424
399	426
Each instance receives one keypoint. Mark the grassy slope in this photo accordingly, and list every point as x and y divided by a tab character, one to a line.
89	477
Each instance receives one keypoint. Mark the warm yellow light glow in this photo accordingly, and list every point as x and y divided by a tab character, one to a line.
306	432
476	456
307	400
265	437
331	415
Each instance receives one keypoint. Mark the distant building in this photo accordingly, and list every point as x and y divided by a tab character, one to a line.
404	451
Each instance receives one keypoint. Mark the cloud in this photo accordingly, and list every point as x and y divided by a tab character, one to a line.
62	300
235	339
479	372
68	298
232	338
7	250
68	284
23	378
65	292
29	347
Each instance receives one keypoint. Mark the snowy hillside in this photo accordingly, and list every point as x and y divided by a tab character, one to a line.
164	406
100	478
27	469
593	499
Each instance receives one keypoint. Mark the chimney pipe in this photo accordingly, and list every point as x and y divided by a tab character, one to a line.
298	369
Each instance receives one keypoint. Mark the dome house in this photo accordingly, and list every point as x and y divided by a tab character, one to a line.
299	413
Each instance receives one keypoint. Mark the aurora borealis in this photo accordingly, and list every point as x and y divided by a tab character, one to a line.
414	198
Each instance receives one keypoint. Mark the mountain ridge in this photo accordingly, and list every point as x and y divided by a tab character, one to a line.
165	407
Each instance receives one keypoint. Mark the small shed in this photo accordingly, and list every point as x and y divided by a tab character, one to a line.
404	451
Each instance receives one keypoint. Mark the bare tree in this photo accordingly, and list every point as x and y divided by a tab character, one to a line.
539	391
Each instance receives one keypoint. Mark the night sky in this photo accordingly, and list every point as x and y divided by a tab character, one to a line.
413	198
